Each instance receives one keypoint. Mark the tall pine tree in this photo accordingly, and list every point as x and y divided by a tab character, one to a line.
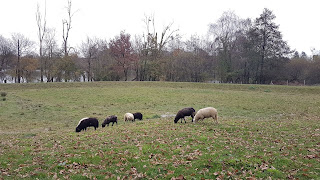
270	46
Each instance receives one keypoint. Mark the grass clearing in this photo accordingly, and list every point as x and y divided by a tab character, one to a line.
264	131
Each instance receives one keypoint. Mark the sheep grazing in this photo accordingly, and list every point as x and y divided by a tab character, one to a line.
128	117
109	119
87	122
137	115
206	113
184	112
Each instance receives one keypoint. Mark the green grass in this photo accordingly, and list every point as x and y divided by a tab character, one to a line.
263	131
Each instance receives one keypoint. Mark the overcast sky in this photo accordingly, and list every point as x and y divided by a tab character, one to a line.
299	20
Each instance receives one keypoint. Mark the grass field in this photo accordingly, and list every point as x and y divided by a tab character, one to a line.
263	131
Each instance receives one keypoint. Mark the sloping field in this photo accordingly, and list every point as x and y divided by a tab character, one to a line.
263	131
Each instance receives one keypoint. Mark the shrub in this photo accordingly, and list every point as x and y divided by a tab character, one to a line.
3	94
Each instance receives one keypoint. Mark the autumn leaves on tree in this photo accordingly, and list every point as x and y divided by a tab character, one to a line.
122	50
235	50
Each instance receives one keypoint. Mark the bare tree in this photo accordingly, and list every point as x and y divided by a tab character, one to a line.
6	52
66	26
41	22
89	50
151	40
153	47
138	48
224	33
23	46
103	65
50	53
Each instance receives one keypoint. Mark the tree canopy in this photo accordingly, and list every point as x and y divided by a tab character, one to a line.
235	50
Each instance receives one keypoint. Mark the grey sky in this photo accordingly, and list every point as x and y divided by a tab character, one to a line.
298	20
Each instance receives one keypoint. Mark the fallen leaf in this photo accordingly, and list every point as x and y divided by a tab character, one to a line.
181	177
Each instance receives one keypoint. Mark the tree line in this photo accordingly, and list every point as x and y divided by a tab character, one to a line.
234	50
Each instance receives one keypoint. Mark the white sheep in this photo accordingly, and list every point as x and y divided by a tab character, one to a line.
128	117
206	113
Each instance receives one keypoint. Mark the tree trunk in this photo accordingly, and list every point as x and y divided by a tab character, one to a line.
125	71
18	64
89	69
41	63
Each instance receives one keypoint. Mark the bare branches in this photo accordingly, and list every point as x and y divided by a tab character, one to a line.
50	42
225	29
167	35
23	46
89	50
41	22
66	26
5	52
151	40
26	46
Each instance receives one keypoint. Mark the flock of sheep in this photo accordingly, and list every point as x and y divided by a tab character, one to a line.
200	115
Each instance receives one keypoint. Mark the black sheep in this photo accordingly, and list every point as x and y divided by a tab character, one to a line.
109	119
87	122
137	115
184	112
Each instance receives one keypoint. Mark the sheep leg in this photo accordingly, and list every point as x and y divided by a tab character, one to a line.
184	120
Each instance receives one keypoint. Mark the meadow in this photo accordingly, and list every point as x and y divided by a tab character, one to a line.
264	131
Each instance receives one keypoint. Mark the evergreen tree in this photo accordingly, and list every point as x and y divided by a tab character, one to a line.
270	46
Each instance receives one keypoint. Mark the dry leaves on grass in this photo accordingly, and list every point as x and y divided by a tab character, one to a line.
194	155
181	177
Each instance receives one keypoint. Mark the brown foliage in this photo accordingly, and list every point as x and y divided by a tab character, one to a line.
121	49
